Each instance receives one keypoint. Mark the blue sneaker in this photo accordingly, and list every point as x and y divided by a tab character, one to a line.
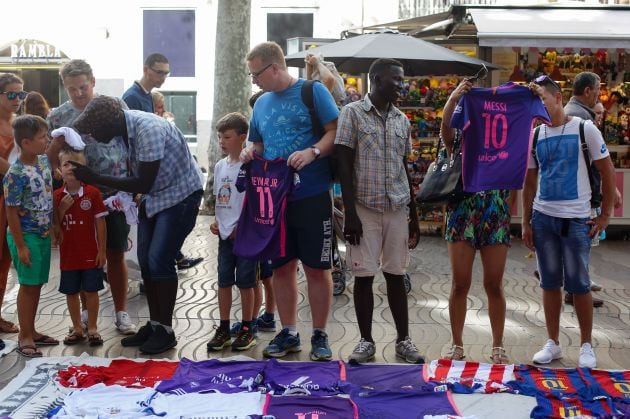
320	351
282	344
265	325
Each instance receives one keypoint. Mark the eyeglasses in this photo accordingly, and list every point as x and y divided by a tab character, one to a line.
256	74
544	79
481	74
13	95
160	72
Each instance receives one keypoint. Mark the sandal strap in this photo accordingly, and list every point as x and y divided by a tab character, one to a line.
456	352
499	355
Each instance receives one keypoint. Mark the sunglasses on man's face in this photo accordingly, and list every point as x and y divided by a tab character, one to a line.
12	95
545	79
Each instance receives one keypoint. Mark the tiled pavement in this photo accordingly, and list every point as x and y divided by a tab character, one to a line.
197	311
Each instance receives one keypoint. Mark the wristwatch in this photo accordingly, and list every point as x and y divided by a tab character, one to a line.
316	151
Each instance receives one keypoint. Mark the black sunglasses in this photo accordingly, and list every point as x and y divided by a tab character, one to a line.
160	72
481	74
258	73
545	79
13	95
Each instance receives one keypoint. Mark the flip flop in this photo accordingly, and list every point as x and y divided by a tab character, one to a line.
95	339
8	327
73	338
45	340
30	351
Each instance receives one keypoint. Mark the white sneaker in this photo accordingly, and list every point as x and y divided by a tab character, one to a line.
587	356
548	353
124	324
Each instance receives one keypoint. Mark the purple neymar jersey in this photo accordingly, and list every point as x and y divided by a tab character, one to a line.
310	407
384	377
261	230
402	404
304	378
213	375
496	125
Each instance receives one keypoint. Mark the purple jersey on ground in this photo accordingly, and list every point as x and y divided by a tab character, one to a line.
261	230
310	407
385	376
303	378
496	124
213	375
402	404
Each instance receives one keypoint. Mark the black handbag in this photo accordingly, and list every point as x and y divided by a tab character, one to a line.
443	183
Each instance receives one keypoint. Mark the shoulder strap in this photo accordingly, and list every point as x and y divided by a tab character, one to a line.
587	158
534	142
307	99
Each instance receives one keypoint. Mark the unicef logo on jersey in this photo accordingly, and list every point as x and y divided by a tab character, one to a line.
604	149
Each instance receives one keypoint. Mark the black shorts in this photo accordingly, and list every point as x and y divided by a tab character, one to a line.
88	280
309	232
117	231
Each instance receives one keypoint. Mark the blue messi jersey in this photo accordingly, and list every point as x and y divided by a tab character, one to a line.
531	380
550	406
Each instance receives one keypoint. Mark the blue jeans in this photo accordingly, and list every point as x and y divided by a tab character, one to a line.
234	269
162	236
563	250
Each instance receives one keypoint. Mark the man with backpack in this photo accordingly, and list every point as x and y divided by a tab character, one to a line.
282	126
557	220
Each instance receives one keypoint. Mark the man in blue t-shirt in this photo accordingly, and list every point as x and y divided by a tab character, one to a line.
281	127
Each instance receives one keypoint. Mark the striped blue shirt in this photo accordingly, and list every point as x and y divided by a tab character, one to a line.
153	138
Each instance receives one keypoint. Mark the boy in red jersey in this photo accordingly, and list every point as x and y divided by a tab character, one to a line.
80	212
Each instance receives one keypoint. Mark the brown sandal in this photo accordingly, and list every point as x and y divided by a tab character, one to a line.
95	339
73	338
8	327
499	356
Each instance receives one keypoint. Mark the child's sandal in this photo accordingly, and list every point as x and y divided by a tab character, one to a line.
73	337
455	353
95	339
499	356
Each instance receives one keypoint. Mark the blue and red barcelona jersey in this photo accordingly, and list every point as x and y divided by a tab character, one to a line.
615	384
549	406
531	380
261	229
496	125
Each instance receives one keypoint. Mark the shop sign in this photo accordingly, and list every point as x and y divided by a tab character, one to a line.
30	50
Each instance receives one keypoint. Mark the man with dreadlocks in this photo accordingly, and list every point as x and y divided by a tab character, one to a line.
168	178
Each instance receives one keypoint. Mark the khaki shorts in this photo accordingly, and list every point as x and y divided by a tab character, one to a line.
385	242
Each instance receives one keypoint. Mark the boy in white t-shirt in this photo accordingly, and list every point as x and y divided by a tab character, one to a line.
232	132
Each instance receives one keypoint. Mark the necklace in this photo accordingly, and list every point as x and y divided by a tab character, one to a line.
551	156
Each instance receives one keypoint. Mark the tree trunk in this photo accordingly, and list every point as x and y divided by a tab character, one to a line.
232	86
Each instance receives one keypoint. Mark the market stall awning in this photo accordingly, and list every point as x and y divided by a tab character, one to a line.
557	28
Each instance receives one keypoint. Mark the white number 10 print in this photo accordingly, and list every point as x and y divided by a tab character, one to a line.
264	195
491	130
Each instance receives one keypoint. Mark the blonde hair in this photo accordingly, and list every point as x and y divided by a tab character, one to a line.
268	52
68	153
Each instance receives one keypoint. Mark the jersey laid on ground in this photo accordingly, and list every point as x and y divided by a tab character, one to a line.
475	376
615	384
385	376
549	406
214	375
80	247
262	231
101	401
303	378
531	380
564	190
123	372
310	407
496	124
206	406
402	404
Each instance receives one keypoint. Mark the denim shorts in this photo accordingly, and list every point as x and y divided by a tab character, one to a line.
563	250
233	269
88	280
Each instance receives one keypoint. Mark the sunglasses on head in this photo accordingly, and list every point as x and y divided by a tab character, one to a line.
545	79
12	95
481	74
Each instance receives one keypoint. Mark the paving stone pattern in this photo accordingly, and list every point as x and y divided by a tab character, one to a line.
197	311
